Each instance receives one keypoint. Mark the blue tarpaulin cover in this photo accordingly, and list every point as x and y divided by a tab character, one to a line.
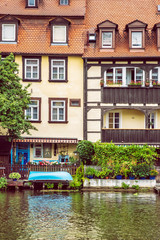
65	176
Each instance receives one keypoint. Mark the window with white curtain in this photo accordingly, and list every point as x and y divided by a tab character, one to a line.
59	34
107	39
136	39
9	32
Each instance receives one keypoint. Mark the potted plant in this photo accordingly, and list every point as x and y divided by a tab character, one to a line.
147	83
117	171
102	82
143	170
90	172
15	176
153	173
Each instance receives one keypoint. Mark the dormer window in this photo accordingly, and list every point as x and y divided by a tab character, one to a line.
8	30
107	39
59	34
157	29
59	31
31	3
107	32
136	39
136	30
64	2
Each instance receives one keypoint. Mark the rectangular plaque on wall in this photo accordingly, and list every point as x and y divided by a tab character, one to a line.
47	150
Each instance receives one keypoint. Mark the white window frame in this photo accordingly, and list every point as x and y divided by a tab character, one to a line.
150	74
58	69
155	120
64	2
139	44
65	33
120	119
41	147
124	75
31	66
110	42
31	107
58	111
14	33
31	5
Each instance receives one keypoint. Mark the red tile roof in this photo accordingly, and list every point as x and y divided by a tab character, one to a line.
45	8
34	37
122	12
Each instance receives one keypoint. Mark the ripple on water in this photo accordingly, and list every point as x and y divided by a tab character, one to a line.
107	216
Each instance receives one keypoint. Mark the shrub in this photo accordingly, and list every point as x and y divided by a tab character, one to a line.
14	175
49	185
125	186
77	182
90	171
60	185
153	172
85	149
3	183
135	187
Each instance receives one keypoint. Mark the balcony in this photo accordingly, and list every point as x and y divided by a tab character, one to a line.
140	95
148	136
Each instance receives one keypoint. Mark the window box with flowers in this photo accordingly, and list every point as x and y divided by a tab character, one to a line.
134	84
155	84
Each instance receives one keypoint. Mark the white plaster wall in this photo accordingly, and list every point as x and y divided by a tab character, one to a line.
94	71
93	137
94	114
93	125
93	84
94	96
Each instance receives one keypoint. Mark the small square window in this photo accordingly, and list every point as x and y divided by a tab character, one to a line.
136	39
75	102
107	39
59	34
31	3
64	2
9	32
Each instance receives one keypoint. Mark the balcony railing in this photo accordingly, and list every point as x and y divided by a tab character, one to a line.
134	94
148	136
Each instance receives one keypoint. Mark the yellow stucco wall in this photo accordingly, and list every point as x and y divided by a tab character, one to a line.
73	89
129	119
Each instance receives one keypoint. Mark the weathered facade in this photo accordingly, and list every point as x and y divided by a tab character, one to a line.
122	67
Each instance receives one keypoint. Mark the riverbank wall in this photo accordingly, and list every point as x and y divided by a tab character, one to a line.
111	183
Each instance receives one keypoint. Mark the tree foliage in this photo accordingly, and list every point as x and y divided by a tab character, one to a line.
85	150
14	99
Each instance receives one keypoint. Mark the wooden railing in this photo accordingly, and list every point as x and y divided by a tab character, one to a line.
24	170
148	136
131	95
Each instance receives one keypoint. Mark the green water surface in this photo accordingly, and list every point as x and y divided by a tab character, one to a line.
79	216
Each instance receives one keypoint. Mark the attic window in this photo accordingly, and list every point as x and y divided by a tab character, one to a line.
136	30
59	31
9	30
107	35
64	2
31	3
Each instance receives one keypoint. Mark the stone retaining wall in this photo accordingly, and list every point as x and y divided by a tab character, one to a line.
109	183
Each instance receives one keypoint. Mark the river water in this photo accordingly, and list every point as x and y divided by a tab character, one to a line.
79	216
